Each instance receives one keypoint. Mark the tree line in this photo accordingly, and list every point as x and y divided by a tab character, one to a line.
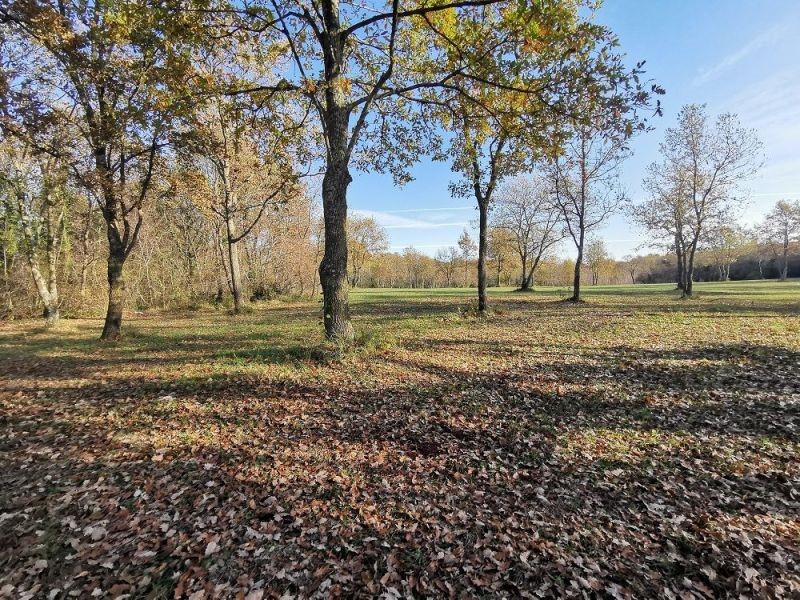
165	150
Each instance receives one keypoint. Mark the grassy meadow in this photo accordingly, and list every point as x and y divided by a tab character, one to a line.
633	446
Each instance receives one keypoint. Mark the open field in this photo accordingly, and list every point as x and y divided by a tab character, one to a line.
636	445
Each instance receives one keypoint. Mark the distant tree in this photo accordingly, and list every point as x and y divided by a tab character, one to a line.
695	186
246	154
34	189
416	265
468	248
597	259
726	244
780	228
637	266
447	262
365	238
586	182
501	246
525	209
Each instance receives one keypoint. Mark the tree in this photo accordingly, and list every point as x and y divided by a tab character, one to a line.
468	248
522	119
726	243
665	214
116	74
358	68
501	245
247	173
365	238
639	266
780	228
597	259
586	180
526	210
447	262
584	170
34	188
695	185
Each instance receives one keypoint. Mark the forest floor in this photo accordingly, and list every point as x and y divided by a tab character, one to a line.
635	445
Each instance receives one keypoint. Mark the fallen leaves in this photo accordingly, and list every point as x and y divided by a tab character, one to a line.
519	457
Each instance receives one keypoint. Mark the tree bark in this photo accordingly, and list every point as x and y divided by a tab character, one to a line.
679	265
233	261
525	282
576	281
688	275
483	227
785	266
333	268
112	329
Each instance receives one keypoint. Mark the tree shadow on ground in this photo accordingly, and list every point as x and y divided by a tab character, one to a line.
619	469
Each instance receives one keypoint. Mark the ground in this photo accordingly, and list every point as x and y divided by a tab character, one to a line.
636	445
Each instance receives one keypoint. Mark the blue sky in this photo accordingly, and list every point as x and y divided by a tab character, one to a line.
735	56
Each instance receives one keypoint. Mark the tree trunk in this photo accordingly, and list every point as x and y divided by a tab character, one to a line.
235	269
688	274
785	266
112	329
525	280
576	281
483	227
48	294
333	268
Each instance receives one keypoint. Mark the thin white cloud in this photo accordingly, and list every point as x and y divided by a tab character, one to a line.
775	194
767	38
420	210
420	246
389	220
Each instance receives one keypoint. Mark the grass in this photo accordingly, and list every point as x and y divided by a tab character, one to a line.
636	444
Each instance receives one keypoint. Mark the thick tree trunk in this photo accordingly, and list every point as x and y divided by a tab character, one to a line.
525	280
112	329
576	281
235	269
333	268
483	242
688	274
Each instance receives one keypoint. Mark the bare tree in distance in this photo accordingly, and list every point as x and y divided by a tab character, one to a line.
447	262
586	186
781	227
365	238
525	208
699	181
468	249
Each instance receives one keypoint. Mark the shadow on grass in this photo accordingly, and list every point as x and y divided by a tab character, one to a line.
613	464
